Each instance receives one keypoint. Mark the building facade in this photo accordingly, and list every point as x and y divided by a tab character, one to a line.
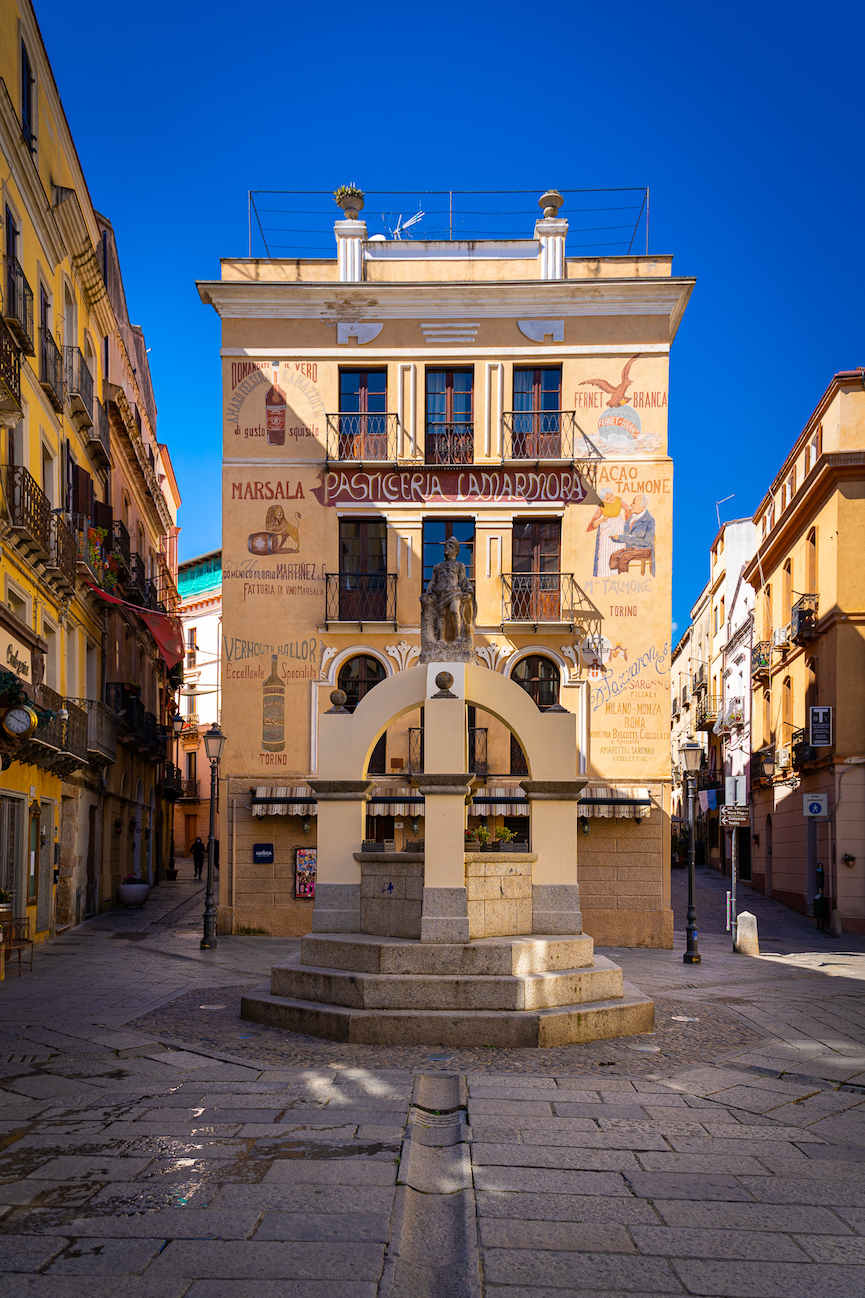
200	584
501	393
89	509
809	651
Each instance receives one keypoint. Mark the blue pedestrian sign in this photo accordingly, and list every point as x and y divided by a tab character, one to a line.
814	804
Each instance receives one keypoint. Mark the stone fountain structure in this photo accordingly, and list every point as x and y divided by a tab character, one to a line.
445	947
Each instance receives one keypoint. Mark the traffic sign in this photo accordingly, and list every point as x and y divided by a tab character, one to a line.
813	804
733	817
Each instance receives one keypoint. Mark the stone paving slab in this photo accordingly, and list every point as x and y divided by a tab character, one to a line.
269	1260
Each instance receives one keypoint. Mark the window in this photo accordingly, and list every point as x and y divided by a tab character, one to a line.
48	474
817	444
539	677
28	122
783	497
715	615
537	413
191	647
362	570
811	562
357	677
449	427
536	592
722	615
807	458
436	531
192	766
17	603
362	407
767	613
768	736
786	710
791	483
11	235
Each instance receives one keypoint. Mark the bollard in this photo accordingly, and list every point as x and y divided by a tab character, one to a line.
746	934
836	928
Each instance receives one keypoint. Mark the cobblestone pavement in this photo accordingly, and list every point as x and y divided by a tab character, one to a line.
153	1145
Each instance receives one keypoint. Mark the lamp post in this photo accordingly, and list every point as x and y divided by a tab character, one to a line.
213	742
691	754
177	727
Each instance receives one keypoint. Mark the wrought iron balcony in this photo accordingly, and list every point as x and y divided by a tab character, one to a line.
190	791
18	306
89	547
172	782
450	444
537	597
710	780
30	511
699	680
801	749
60	567
49	734
168	594
120	544
79	385
190	723
102	728
51	368
415	750
10	374
709	709
362	437
803	619
98	440
139	729
360	597
761	659
136	580
76	730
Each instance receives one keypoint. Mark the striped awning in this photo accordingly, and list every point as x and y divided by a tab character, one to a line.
614	810
503	808
284	808
374	808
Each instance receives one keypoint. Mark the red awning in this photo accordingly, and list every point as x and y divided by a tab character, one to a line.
165	628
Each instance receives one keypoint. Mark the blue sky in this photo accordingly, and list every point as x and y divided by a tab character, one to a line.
744	119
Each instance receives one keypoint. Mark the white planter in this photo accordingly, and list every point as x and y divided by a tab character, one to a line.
133	894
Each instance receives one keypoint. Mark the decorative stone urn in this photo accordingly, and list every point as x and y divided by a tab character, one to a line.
133	894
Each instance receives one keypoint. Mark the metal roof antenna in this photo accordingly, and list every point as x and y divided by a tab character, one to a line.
718	504
401	225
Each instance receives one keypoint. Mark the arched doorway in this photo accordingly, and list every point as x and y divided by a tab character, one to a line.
539	677
768	856
357	677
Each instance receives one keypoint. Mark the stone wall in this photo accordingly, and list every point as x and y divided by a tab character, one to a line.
624	876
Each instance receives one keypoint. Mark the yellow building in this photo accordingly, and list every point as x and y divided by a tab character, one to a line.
505	394
810	653
88	501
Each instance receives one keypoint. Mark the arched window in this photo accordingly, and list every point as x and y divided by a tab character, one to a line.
539	677
357	677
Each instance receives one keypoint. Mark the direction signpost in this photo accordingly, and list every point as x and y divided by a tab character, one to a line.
734	818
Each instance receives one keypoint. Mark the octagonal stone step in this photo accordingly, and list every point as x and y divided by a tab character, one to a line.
448	991
593	1021
489	956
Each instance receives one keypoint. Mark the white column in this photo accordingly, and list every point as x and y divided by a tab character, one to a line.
350	238
550	233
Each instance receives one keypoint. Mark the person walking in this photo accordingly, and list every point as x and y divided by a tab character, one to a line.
199	851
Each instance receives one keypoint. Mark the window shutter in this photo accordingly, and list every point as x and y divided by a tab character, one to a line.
82	492
102	515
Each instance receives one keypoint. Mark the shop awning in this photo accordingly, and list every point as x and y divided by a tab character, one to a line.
282	804
164	627
615	802
384	801
504	808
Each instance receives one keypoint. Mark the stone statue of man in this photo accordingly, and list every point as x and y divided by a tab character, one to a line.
448	610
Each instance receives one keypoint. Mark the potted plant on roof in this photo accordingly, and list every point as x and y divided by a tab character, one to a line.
350	199
133	891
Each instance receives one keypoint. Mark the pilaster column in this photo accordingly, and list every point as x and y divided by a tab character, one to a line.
350	238
341	811
555	890
550	233
445	916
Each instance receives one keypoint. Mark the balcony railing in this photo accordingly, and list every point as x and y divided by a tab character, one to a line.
478	750
190	790
542	597
89	547
803	619
699	678
136	581
139	729
761	658
172	781
710	780
120	544
450	443
76	730
360	597
102	727
415	750
61	563
51	368
98	440
18	306
79	385
49	734
708	710
168	593
801	748
30	511
10	373
362	437
190	722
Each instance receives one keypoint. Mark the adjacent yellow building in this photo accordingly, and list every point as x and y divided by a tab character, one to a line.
507	395
89	506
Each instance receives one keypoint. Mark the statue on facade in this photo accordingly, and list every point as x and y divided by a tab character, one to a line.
448	611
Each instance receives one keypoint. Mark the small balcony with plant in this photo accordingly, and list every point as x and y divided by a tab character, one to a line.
803	619
709	709
761	660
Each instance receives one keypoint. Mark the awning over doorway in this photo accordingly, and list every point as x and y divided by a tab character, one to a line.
389	807
503	808
284	807
615	802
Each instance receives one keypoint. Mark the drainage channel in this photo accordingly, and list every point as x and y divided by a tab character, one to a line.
433	1247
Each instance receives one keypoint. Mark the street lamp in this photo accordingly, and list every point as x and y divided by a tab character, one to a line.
691	755
177	727
213	742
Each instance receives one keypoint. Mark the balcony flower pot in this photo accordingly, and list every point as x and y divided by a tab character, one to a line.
350	199
133	892
491	847
170	872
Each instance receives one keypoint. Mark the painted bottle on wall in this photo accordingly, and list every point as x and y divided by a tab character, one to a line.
274	404
273	722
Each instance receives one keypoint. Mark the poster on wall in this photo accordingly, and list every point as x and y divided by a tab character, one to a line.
304	872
